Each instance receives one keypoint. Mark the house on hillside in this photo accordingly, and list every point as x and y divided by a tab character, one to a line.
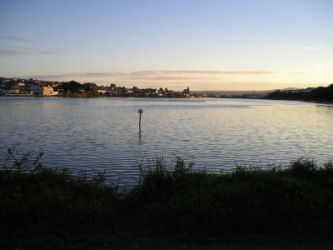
101	91
49	91
20	84
43	90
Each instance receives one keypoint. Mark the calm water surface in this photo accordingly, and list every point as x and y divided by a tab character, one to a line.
102	133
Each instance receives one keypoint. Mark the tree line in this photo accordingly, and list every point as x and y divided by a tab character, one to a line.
316	94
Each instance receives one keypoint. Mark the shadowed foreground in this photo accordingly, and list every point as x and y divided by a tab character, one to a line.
178	208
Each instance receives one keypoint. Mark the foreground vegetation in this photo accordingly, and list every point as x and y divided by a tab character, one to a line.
48	208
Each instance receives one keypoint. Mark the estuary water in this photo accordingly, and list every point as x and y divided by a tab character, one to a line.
216	134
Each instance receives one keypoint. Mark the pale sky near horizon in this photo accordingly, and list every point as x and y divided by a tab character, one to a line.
204	44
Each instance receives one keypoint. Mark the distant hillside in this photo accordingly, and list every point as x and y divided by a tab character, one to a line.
309	94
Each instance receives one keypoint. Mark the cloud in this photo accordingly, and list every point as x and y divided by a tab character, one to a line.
15	38
303	47
175	79
196	79
157	75
310	48
9	13
19	50
9	52
50	52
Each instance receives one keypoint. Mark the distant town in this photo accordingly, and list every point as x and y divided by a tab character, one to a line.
33	87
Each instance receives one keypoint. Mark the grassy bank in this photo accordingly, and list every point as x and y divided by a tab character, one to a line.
47	208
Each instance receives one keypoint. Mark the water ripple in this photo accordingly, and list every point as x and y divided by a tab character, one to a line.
217	134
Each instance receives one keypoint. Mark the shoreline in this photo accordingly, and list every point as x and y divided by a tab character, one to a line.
192	97
311	101
28	95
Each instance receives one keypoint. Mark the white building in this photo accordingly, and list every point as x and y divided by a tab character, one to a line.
48	91
44	90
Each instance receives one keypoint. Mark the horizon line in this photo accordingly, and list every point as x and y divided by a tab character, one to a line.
210	90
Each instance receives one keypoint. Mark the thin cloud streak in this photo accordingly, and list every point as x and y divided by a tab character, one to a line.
303	47
196	79
15	38
156	74
9	13
50	52
19	50
7	52
310	48
180	79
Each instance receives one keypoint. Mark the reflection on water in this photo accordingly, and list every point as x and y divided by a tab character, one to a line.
102	133
140	139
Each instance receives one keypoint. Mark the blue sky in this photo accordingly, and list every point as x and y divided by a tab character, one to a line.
207	45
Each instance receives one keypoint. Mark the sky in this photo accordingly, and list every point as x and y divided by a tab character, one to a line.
203	44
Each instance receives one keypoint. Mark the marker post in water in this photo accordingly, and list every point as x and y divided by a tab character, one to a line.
140	111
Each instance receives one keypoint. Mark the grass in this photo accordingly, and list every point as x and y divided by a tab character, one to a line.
49	208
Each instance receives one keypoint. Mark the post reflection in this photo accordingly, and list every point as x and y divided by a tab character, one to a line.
140	137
